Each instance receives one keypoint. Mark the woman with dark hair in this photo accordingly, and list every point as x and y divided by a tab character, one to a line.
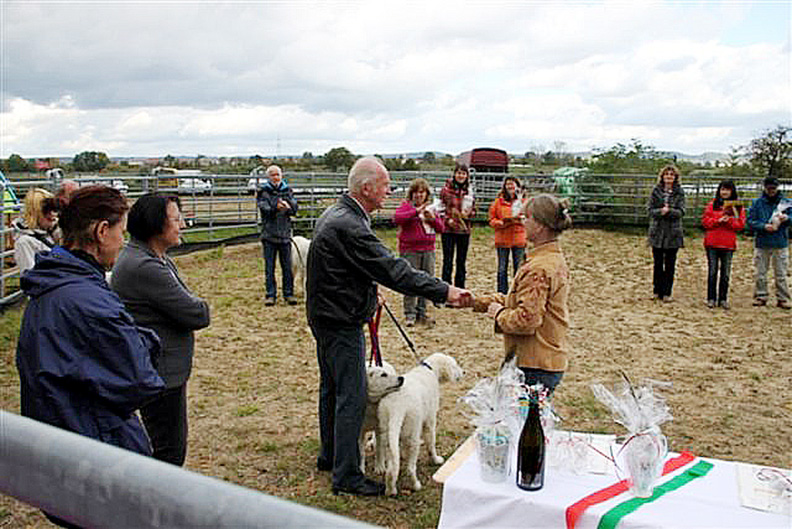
534	315
84	365
418	222
505	217
722	219
666	208
148	283
459	205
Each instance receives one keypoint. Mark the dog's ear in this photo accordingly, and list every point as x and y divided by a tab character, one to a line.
509	357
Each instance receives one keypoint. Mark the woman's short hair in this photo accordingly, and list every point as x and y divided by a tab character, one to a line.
34	206
148	215
550	211
419	184
670	167
86	207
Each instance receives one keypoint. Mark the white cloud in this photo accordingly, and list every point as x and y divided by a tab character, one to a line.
386	76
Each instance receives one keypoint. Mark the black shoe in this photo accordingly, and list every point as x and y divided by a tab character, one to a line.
324	465
291	301
368	487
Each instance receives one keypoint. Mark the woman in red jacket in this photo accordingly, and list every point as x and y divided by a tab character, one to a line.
418	222
506	220
722	219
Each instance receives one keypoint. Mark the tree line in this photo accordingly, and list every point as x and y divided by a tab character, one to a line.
769	153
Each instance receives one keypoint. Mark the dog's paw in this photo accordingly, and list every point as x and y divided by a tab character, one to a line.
438	460
379	469
416	485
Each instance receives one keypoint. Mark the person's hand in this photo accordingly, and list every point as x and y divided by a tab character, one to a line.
771	227
493	309
380	300
282	204
459	297
782	217
428	215
724	218
664	210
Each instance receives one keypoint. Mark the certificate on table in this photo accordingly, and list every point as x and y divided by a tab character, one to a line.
710	501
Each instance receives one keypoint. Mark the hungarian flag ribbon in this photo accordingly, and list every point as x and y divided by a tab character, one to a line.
576	510
612	517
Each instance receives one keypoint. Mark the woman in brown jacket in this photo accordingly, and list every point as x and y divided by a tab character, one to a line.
534	316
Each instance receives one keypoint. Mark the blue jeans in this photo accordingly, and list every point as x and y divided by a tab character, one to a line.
503	266
283	250
341	352
718	259
549	379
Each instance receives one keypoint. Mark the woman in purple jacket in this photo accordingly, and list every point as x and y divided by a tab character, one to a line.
418	222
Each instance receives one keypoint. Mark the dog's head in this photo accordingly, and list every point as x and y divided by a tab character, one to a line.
382	381
445	367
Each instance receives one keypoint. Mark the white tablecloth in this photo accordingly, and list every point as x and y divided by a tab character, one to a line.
708	502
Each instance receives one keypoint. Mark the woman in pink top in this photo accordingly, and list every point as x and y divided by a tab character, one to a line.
418	222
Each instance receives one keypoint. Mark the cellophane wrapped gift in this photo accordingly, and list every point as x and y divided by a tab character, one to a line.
492	406
641	411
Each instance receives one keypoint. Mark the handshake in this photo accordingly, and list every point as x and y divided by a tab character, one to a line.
459	297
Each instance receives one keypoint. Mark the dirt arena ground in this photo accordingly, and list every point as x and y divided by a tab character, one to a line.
253	392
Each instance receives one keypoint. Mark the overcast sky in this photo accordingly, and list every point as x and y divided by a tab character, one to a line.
151	78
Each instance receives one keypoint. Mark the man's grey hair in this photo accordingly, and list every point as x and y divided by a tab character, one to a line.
274	169
364	171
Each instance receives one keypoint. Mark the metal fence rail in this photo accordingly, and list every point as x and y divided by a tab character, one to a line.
92	484
227	210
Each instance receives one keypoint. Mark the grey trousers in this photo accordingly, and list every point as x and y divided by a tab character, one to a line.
416	306
779	259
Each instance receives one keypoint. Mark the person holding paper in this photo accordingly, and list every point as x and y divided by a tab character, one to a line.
506	219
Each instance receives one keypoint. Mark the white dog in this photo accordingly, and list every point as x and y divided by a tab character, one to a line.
299	261
403	416
381	381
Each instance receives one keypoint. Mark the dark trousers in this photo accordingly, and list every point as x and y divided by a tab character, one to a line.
503	266
341	353
460	242
718	260
283	251
664	265
166	423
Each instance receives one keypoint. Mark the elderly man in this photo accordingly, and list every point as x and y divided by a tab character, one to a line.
277	205
346	261
771	242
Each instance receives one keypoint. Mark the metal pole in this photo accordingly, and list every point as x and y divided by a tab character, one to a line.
93	484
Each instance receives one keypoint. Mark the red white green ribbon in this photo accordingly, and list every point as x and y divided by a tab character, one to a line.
613	516
576	510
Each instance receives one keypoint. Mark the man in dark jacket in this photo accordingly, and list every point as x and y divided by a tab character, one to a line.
277	205
346	261
771	242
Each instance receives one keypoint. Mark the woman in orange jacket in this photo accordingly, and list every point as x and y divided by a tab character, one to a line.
506	220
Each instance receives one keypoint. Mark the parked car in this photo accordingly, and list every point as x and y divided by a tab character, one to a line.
120	185
194	186
258	176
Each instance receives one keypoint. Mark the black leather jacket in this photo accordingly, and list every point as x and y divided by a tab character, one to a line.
346	261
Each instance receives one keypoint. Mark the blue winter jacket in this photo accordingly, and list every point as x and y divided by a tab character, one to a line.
759	215
276	224
83	364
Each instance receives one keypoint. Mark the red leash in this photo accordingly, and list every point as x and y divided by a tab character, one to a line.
373	325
